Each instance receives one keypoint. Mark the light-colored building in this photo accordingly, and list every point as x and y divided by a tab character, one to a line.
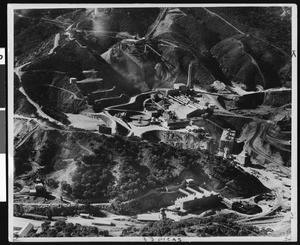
25	230
40	189
244	158
197	200
148	217
175	124
25	190
89	80
32	192
179	86
185	111
226	152
104	222
227	140
179	202
83	215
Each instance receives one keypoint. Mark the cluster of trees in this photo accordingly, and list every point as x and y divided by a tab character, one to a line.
246	208
160	228
92	178
56	63
29	35
46	156
139	168
21	158
62	210
63	229
124	169
55	113
238	182
220	225
126	208
52	183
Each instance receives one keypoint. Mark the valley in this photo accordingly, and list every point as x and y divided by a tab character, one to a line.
126	128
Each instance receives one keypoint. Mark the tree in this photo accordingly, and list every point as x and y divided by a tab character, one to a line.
49	213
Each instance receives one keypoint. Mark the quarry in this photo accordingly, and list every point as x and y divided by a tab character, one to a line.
150	129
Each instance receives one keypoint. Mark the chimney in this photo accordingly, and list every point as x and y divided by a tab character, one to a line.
189	81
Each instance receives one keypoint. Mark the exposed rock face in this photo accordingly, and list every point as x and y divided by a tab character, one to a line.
268	145
222	51
239	57
178	35
251	61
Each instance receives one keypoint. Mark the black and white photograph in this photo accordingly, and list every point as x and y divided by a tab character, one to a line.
158	122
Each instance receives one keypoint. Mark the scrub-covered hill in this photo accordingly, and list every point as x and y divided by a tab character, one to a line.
131	50
100	168
239	45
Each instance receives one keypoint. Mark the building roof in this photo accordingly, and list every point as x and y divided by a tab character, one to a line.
25	230
182	111
148	217
228	135
90	80
179	85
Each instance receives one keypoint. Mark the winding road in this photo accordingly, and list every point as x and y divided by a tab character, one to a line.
275	141
258	132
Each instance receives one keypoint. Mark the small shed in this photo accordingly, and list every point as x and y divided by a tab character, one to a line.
25	230
85	216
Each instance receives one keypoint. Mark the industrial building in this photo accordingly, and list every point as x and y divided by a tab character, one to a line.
197	199
88	80
193	203
104	129
88	85
40	189
85	216
148	217
180	87
175	124
227	141
183	112
25	230
103	222
107	102
244	159
101	94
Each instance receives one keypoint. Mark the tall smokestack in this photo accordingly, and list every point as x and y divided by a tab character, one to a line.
189	81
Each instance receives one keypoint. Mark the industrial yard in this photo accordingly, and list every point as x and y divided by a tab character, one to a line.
180	117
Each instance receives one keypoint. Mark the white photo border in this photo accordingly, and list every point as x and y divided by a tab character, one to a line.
10	106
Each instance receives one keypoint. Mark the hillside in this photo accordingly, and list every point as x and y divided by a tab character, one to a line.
227	44
62	57
113	168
